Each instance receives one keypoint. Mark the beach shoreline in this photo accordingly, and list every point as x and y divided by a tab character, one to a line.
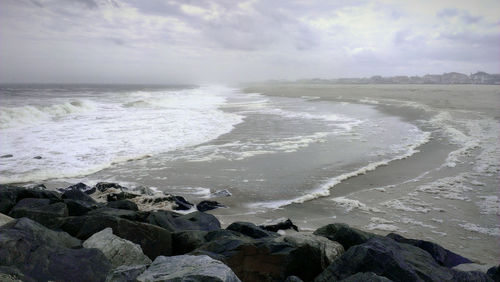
396	197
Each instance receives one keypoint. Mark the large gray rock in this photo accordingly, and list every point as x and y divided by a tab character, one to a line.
154	241
42	211
125	273
251	230
176	222
77	194
344	234
118	251
46	255
4	219
441	255
318	248
395	261
184	242
365	277
188	268
10	195
263	259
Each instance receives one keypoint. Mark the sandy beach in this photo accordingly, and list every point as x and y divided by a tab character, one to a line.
447	192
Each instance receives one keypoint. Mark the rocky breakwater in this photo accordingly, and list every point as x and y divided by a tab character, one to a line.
111	233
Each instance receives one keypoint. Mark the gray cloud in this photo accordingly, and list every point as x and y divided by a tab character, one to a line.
225	40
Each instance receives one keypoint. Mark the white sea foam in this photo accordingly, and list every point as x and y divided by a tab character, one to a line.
324	189
377	223
489	205
29	115
350	204
86	142
495	231
453	188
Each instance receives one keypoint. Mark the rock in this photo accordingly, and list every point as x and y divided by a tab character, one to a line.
251	230
120	196
82	187
259	259
43	254
471	267
181	203
125	273
118	251
221	193
153	240
103	186
442	256
283	225
12	274
315	247
187	268
191	221
10	195
293	278
475	276
4	219
76	194
8	198
77	208
37	157
223	233
208	205
40	210
393	260
123	204
345	235
146	191
6	156
184	242
494	273
365	277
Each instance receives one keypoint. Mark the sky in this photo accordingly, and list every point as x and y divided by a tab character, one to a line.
225	41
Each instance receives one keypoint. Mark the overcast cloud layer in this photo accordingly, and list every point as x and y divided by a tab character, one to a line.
156	41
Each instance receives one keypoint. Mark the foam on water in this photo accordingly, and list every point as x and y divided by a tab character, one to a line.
323	190
74	142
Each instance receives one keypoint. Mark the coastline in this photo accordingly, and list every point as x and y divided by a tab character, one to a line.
368	201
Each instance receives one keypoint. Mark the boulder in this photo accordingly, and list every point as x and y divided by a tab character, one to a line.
43	254
10	195
494	273
472	267
77	208
103	186
283	225
176	222
208	205
123	204
315	247
184	242
76	194
82	187
120	196
443	256
260	259
293	278
4	219
393	260
188	268
125	273
182	204
12	274
8	198
344	234
138	216
118	251
251	230
365	277
153	240
41	210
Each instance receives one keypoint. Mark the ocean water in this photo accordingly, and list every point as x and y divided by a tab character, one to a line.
269	152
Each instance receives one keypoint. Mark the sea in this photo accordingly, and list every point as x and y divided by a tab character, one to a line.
192	141
291	156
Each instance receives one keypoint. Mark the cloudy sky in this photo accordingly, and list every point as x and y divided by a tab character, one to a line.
165	41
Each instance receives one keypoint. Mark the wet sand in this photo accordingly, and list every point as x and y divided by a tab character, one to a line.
451	199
